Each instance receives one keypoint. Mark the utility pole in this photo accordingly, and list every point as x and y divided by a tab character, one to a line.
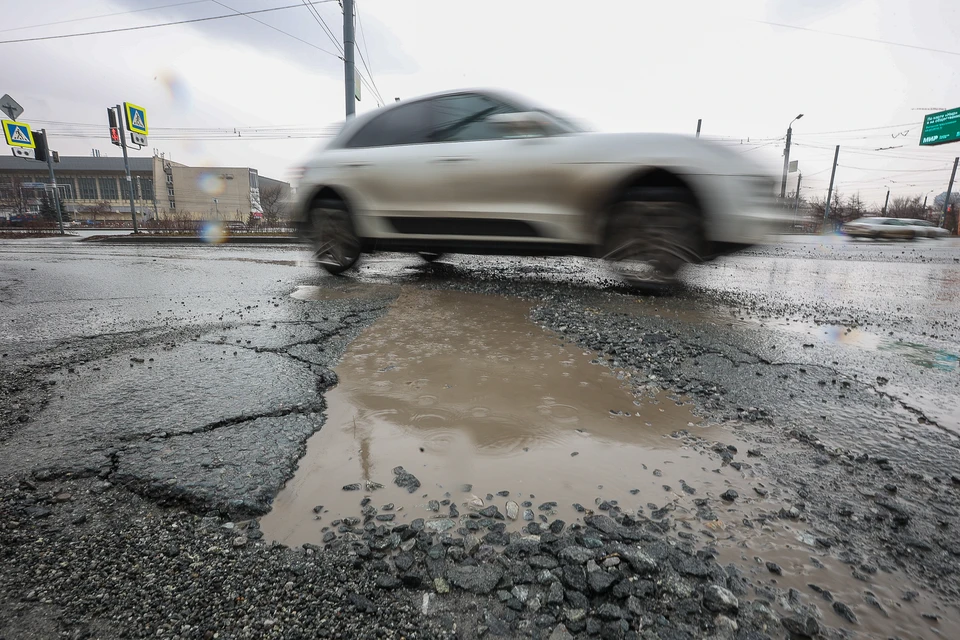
833	174
699	122
946	201
886	202
126	167
349	77
796	203
53	180
786	158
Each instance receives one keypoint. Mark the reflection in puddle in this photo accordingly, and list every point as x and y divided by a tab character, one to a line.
913	352
462	389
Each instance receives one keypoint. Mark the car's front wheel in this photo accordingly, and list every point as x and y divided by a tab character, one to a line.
650	235
336	246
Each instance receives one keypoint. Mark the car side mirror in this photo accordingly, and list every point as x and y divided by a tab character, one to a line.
524	123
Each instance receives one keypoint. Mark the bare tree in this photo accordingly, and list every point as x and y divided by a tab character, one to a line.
906	207
272	202
12	200
856	207
818	204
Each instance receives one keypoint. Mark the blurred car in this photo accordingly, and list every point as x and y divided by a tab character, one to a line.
926	229
892	229
487	172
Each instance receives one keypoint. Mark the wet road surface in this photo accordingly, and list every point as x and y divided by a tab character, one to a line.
205	376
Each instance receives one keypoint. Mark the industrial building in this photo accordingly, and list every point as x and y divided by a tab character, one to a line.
95	189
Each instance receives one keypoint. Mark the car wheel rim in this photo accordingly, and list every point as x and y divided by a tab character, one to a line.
649	242
335	243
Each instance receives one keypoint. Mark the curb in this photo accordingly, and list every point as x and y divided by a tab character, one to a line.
152	239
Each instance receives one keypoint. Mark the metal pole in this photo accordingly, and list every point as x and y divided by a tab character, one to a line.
833	174
786	163
348	68
53	181
946	201
886	202
126	167
796	204
699	122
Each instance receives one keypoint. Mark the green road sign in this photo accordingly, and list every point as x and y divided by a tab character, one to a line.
941	127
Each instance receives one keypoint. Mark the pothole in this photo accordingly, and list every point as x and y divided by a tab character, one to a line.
479	403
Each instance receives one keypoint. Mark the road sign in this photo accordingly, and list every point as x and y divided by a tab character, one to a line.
793	166
136	118
18	134
138	139
940	127
10	107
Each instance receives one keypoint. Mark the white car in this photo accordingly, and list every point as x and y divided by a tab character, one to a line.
486	172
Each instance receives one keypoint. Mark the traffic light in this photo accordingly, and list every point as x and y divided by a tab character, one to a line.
114	127
40	138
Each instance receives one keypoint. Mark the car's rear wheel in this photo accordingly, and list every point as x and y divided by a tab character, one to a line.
650	235
336	246
429	256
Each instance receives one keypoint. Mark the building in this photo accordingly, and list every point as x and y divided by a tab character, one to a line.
95	189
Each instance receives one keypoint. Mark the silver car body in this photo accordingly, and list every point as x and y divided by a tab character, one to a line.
516	193
892	228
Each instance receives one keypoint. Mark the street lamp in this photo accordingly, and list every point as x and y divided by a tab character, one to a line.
786	157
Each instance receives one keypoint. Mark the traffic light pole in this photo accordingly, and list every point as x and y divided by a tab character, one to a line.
53	181
946	200
126	167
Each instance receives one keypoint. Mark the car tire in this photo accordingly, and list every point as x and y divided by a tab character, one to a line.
336	247
429	256
650	234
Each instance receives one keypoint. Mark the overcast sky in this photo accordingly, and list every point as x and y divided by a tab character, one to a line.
620	65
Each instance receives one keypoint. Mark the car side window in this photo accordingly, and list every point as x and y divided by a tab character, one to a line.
405	124
461	118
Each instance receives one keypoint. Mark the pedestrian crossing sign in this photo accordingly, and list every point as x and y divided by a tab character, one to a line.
18	134
136	118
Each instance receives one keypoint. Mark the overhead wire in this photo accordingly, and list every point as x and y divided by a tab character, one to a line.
279	30
102	15
157	25
854	37
364	59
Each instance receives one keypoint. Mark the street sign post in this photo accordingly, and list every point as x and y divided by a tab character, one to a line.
10	107
940	127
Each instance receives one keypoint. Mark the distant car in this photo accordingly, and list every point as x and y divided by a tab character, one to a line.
886	229
485	172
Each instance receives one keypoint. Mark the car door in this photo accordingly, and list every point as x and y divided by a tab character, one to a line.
495	184
384	164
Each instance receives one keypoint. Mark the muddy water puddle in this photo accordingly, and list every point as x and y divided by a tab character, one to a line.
485	408
472	398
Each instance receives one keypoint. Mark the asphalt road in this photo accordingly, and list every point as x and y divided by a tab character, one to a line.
187	382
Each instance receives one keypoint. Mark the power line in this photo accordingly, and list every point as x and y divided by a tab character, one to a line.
279	30
863	38
323	25
102	15
363	59
160	24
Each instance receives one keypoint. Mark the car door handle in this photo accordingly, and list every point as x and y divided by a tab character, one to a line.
355	165
454	159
